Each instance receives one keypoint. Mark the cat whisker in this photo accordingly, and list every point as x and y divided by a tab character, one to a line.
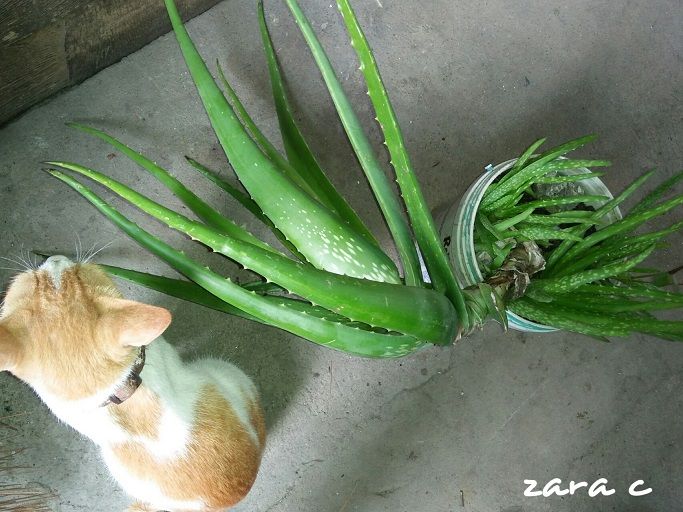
87	260
79	247
21	261
21	255
86	257
26	260
21	264
8	259
13	269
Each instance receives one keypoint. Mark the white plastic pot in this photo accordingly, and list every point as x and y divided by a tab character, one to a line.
457	232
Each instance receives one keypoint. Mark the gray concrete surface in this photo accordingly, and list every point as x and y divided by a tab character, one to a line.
447	429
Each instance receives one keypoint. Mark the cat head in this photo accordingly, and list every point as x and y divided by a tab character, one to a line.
67	332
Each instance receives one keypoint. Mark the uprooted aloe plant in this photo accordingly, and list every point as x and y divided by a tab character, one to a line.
547	252
338	288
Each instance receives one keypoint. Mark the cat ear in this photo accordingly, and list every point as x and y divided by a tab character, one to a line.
9	350
133	323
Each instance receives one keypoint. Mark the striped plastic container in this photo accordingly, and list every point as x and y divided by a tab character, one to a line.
456	228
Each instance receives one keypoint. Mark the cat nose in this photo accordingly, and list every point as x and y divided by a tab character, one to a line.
54	266
56	261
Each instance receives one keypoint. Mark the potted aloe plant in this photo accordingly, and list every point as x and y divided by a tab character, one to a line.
548	237
331	282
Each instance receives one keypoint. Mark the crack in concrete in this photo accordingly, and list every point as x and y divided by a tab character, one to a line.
288	491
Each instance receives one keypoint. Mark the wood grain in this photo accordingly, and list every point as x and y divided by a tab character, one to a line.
48	45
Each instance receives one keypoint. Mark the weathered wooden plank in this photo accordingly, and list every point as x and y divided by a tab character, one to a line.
31	69
48	45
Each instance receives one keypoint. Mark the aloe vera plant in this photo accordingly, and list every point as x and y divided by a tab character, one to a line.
336	287
550	257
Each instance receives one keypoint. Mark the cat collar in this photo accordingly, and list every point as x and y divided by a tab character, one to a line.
131	384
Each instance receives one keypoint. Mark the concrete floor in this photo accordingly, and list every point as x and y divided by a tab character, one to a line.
452	429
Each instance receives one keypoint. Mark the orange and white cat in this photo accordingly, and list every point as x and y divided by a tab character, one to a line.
177	437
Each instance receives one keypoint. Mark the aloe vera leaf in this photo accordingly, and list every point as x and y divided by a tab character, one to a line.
255	132
502	205
494	303
569	178
533	170
202	209
603	256
551	220
656	194
192	292
634	290
585	214
331	334
166	284
560	252
626	225
613	306
645	323
539	232
186	290
237	231
418	213
478	310
529	191
660	278
554	201
261	140
236	193
380	185
248	122
484	241
247	202
316	231
522	160
299	153
311	180
606	324
501	255
628	248
552	265
483	303
511	221
391	306
668	330
552	167
486	224
562	164
618	246
485	238
663	279
627	192
565	318
568	283
179	288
